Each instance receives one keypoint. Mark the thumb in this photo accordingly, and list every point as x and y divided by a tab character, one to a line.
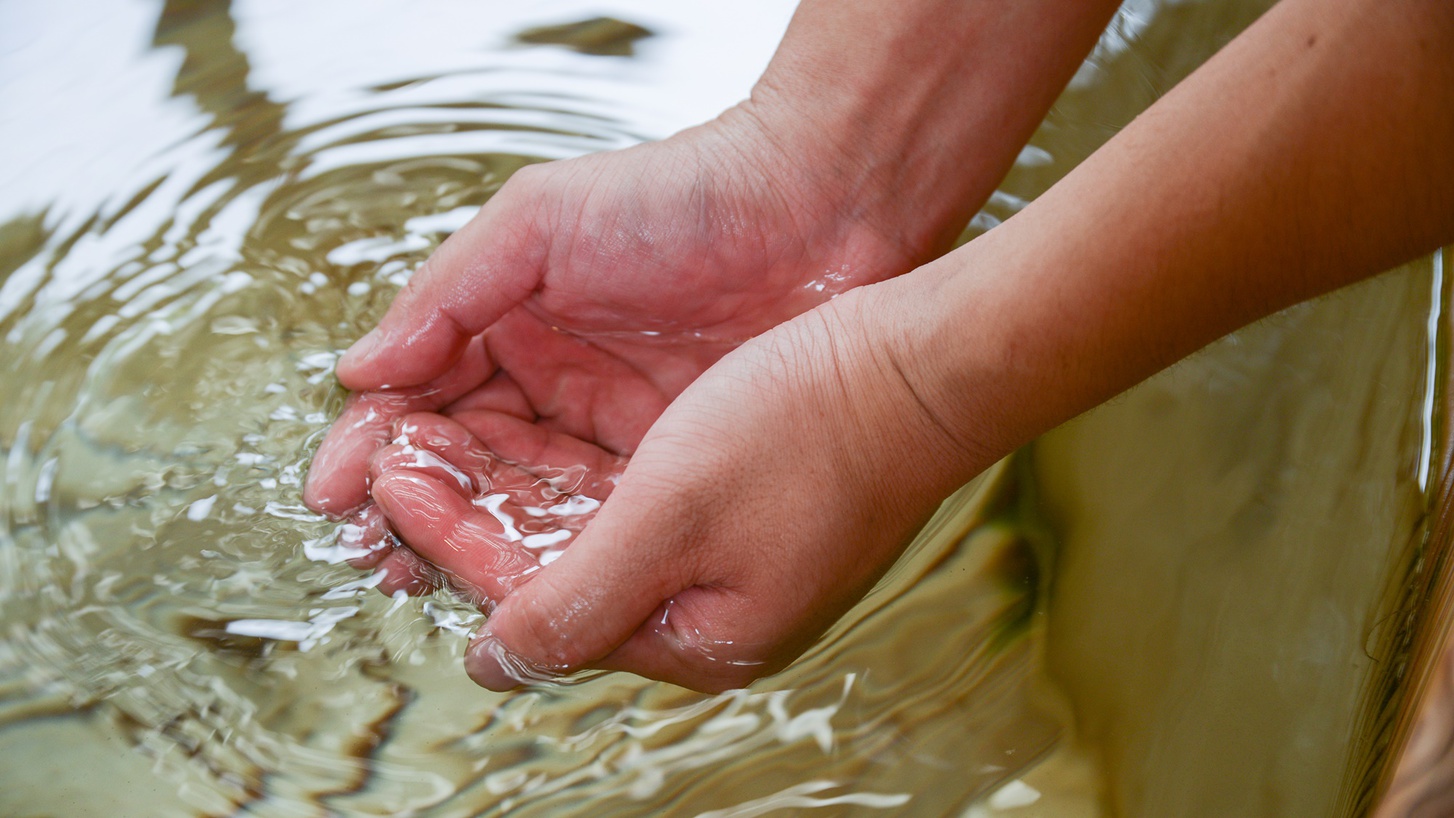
477	275
573	612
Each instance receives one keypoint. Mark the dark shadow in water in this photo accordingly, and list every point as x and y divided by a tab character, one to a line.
215	74
21	239
601	36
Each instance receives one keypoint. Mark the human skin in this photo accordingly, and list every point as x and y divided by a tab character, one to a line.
588	293
1313	151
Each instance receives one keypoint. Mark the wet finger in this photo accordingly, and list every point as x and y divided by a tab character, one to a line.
676	644
337	479
480	273
476	545
403	570
367	535
453	442
538	509
424	461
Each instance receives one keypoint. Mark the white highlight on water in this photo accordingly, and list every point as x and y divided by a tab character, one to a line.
492	503
307	634
199	509
546	539
1431	369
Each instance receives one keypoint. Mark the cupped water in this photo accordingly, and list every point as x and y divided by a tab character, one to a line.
1186	603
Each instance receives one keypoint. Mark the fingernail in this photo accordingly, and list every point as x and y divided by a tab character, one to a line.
483	663
363	349
495	667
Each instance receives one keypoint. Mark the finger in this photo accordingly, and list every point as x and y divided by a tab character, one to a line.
578	610
537	506
399	569
573	466
458	447
402	570
418	459
477	548
336	483
655	650
477	275
501	453
675	644
537	634
337	479
367	535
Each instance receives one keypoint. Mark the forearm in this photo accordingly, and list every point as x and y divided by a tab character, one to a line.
1315	150
913	111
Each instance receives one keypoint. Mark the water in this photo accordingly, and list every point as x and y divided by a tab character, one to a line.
205	203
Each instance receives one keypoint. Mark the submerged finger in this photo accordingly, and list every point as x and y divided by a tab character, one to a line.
539	511
556	478
403	570
423	460
366	535
337	479
476	544
336	482
454	443
379	551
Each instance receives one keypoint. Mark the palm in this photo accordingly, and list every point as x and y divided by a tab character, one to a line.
584	299
719	592
645	287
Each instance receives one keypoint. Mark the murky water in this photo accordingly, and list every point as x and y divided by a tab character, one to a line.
201	204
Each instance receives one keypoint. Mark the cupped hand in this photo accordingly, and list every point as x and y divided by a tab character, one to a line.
766	501
589	292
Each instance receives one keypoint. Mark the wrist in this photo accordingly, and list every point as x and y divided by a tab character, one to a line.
761	155
913	384
910	114
971	367
868	166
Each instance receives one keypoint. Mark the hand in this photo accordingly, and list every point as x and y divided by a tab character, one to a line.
607	284
452	492
763	504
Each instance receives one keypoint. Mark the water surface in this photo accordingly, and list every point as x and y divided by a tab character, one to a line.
202	204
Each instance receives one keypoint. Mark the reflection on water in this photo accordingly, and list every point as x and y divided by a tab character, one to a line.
211	200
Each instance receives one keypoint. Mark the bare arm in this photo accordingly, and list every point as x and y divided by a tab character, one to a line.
919	108
1313	151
